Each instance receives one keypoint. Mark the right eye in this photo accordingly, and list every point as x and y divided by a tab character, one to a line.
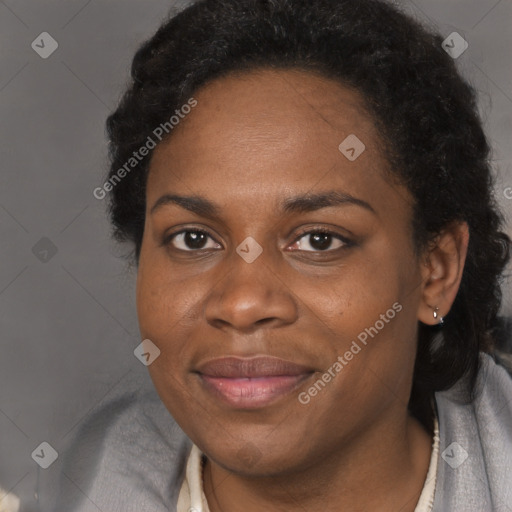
190	240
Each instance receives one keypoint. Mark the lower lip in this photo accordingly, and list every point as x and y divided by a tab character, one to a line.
254	392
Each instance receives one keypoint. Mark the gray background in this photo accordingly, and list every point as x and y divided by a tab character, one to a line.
68	324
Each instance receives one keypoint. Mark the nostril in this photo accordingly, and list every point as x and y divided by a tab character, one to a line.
264	321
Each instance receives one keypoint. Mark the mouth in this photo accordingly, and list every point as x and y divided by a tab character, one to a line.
251	383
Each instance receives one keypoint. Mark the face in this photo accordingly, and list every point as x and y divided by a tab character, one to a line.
277	273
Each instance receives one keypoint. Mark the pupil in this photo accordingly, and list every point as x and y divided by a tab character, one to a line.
194	239
320	241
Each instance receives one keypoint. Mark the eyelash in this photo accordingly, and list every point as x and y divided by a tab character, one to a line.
309	231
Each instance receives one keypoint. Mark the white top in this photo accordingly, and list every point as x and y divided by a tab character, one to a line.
193	499
9	502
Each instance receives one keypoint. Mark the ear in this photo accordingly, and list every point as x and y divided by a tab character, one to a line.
441	271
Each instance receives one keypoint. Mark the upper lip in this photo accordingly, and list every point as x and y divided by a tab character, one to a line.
259	366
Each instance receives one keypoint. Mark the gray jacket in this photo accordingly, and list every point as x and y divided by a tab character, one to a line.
131	455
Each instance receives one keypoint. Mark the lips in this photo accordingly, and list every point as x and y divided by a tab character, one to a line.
263	366
249	383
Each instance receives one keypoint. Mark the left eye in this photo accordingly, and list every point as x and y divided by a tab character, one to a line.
319	241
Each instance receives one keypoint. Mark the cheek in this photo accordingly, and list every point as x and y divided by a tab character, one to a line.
165	314
353	296
169	312
163	302
368	311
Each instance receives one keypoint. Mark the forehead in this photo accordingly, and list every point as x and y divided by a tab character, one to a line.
265	112
271	131
249	99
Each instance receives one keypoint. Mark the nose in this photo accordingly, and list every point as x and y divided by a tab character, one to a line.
250	296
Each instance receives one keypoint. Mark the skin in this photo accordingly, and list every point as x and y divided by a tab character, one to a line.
253	141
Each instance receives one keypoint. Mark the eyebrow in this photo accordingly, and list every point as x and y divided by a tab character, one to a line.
311	202
298	204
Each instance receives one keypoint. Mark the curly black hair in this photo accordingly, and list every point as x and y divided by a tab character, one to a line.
425	111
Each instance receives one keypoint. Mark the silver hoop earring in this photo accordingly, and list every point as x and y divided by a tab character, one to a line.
436	315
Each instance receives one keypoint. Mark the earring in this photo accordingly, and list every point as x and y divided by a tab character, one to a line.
436	315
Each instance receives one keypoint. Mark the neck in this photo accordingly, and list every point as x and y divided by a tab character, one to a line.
382	469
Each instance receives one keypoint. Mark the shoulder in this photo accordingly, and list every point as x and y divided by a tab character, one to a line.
476	441
130	455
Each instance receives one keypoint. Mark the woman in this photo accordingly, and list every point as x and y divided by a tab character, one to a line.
308	193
